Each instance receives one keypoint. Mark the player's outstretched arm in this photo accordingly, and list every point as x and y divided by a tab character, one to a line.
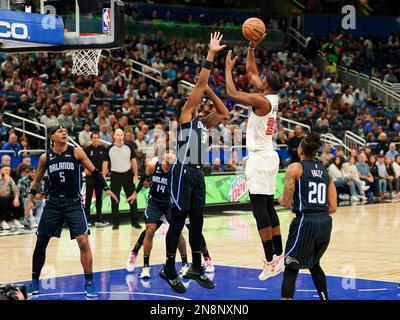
293	172
96	175
221	111
196	95
255	100
35	184
332	197
149	170
251	66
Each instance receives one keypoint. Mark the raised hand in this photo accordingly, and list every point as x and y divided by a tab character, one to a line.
256	41
230	61
215	41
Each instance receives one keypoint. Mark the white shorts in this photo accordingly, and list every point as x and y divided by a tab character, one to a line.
261	170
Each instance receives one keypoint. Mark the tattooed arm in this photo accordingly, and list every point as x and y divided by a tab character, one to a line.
293	173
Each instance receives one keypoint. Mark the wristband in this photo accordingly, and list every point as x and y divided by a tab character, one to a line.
32	191
252	48
208	65
106	188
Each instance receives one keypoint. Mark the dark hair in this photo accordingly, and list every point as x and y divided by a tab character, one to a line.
340	162
310	144
94	133
397	156
275	80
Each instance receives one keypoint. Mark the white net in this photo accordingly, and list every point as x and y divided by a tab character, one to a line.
85	62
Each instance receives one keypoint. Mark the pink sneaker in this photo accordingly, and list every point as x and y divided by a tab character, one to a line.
130	265
270	269
208	266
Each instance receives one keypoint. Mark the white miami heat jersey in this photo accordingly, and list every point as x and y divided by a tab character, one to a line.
260	130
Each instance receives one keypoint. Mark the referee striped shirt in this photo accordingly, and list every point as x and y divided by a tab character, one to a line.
120	157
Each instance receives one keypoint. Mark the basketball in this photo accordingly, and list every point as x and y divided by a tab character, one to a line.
253	29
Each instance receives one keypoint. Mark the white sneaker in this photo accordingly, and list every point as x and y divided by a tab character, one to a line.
15	223
269	270
279	262
130	264
355	199
364	188
5	226
184	270
208	266
101	224
145	273
344	196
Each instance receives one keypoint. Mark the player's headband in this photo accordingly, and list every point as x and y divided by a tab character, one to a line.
55	129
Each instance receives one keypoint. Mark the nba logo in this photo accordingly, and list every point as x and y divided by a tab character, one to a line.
107	20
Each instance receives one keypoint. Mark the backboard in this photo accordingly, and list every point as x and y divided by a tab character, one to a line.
60	25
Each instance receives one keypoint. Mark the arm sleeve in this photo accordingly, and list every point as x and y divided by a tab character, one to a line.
141	182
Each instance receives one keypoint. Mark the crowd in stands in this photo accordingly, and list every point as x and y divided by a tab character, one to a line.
40	88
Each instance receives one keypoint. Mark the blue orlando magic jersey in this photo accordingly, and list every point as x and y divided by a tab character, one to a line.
192	144
64	174
160	189
311	194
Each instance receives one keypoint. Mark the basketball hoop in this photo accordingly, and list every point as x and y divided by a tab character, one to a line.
86	62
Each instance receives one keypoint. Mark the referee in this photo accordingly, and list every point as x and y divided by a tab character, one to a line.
96	153
124	173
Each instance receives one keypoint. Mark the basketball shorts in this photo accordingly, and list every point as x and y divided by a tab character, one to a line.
188	188
155	212
308	239
261	170
60	210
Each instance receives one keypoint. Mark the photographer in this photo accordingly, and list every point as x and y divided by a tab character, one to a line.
13	292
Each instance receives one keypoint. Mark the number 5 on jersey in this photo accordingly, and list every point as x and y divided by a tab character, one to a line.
62	177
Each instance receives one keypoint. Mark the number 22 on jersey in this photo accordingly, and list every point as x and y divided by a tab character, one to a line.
270	126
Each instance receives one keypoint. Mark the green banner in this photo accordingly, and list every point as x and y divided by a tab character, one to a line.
220	188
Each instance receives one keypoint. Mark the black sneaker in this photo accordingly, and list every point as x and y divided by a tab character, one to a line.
200	278
115	227
137	225
174	282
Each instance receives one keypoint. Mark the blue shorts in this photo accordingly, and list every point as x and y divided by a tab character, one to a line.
58	210
155	211
308	239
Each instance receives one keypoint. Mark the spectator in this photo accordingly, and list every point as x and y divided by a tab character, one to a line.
383	174
12	144
336	173
322	121
22	171
3	130
233	164
392	153
366	175
396	166
327	156
84	136
9	200
140	142
49	119
375	172
105	136
216	167
39	201
383	144
64	119
394	184
350	172
129	139
293	144
24	143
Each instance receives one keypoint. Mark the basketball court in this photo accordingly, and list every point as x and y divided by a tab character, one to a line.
361	262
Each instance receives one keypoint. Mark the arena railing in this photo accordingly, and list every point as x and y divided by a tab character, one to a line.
372	85
144	68
31	151
293	123
24	131
352	140
330	139
7	152
184	85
